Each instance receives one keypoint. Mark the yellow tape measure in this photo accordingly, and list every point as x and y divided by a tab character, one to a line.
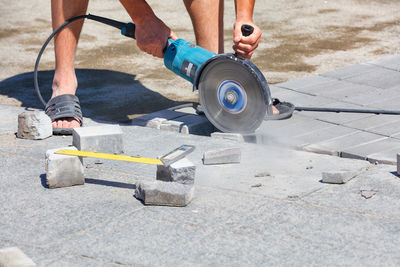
109	156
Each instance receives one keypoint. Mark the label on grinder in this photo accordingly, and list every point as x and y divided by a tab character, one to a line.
188	69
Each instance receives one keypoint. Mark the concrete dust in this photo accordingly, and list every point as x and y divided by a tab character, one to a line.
300	38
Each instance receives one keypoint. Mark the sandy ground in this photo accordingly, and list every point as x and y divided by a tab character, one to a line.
119	82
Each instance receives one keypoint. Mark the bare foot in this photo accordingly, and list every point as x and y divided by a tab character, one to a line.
66	123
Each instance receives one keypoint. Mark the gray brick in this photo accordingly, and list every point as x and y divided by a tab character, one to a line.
338	177
389	62
34	125
228	136
371	122
222	156
183	171
14	257
162	193
104	138
189	124
154	120
63	170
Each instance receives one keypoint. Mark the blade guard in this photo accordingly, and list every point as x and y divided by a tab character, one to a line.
250	66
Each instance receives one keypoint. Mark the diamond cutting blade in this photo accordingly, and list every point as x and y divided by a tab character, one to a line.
231	96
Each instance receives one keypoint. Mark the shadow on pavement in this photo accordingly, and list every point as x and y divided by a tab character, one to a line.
104	94
109	183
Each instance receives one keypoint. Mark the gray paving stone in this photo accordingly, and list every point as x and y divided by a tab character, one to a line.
338	177
384	157
338	118
371	122
335	146
398	163
351	71
325	134
182	171
378	77
14	257
389	62
305	82
154	120
34	125
363	150
63	170
189	124
222	156
104	139
389	129
162	193
228	136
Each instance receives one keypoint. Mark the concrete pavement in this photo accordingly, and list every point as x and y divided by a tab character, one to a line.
271	209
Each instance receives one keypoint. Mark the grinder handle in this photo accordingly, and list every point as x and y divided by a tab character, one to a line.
247	29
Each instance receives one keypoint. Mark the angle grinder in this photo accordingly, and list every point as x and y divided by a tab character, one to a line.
234	94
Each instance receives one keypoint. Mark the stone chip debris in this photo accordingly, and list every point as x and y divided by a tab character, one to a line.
162	193
63	170
34	125
222	156
338	177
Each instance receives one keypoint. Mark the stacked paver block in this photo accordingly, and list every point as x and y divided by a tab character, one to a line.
14	257
174	185
338	177
222	156
34	125
105	139
63	170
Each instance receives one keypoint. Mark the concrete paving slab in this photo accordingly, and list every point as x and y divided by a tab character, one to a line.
306	82
350	71
154	119
189	124
378	121
384	157
390	62
335	146
362	151
378	77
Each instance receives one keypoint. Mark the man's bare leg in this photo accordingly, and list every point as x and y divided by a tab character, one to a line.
208	23
65	44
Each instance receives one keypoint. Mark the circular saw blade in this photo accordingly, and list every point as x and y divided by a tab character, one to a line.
231	96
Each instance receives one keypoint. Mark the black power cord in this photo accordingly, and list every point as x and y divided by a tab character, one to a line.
127	29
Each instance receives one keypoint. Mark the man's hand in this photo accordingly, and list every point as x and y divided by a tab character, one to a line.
152	35
245	45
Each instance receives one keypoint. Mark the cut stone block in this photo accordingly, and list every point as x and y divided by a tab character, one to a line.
398	163
189	124
228	136
183	171
222	156
155	119
34	125
104	138
162	193
338	177
63	170
14	257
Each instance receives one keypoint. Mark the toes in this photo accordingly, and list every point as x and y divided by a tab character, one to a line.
66	123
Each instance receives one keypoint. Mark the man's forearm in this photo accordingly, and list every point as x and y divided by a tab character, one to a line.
138	10
244	10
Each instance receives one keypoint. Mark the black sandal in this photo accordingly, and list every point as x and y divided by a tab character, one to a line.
286	110
64	106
